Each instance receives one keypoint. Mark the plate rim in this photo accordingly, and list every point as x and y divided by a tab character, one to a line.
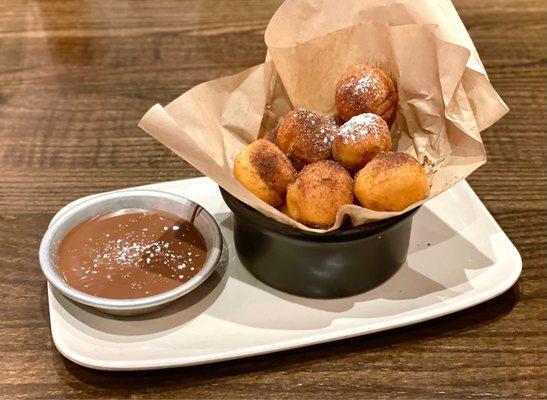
310	340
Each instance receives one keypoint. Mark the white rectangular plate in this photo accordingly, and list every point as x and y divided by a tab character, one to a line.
458	257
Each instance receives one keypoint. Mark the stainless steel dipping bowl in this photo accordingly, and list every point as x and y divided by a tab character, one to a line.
79	212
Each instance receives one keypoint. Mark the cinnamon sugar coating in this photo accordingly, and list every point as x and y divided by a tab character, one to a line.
364	88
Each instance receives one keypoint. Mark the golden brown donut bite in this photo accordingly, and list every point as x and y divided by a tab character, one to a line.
319	190
306	136
391	182
364	88
263	169
359	140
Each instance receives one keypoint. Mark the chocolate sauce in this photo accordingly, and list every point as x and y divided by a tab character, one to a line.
131	253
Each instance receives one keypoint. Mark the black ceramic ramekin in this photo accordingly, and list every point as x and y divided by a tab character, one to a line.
340	263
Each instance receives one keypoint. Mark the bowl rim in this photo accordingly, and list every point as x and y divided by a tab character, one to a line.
251	215
50	270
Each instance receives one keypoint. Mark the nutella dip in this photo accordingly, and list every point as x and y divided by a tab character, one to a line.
131	253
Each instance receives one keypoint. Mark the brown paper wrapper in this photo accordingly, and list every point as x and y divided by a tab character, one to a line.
445	97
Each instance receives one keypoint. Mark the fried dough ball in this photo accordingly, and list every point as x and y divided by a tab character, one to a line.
359	140
335	120
319	190
284	209
366	89
263	169
306	136
391	182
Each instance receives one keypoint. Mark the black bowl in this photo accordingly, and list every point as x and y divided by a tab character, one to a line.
339	263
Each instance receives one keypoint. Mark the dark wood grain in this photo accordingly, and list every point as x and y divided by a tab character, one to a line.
76	76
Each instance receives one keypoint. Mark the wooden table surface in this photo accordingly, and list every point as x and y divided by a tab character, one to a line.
76	76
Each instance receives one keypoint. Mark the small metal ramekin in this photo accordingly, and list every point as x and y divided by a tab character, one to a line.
143	199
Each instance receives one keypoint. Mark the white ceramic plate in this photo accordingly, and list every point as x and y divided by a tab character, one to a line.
458	257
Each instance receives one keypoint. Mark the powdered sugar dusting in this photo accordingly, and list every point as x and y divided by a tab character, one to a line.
367	85
360	126
311	136
130	253
322	129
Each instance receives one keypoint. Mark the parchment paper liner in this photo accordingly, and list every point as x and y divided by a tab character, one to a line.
445	97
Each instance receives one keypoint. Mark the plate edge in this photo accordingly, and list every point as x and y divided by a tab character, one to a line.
296	343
